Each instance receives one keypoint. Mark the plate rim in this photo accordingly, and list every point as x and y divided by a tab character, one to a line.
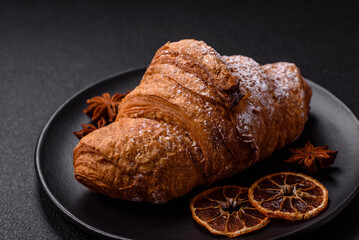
84	226
100	233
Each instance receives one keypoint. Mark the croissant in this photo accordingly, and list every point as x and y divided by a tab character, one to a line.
195	118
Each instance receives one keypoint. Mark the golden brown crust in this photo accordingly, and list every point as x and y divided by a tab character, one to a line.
201	60
292	94
181	127
276	102
138	159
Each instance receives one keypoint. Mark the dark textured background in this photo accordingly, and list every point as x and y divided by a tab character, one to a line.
51	50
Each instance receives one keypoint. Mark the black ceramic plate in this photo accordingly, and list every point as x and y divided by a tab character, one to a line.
330	122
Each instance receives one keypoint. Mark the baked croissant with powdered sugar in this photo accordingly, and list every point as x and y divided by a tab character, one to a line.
195	118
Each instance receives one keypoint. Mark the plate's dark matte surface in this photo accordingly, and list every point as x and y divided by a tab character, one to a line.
330	122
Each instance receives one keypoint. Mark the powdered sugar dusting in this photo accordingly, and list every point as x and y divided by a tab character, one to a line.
257	96
252	79
285	76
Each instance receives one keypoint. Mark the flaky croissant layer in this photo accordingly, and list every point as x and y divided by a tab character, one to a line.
195	118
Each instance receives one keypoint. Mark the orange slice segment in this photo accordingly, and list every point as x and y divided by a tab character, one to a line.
288	195
227	211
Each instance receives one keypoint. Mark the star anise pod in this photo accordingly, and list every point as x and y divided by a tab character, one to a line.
102	110
86	129
101	123
312	158
104	107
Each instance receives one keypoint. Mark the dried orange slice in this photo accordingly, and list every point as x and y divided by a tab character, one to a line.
226	211
288	195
